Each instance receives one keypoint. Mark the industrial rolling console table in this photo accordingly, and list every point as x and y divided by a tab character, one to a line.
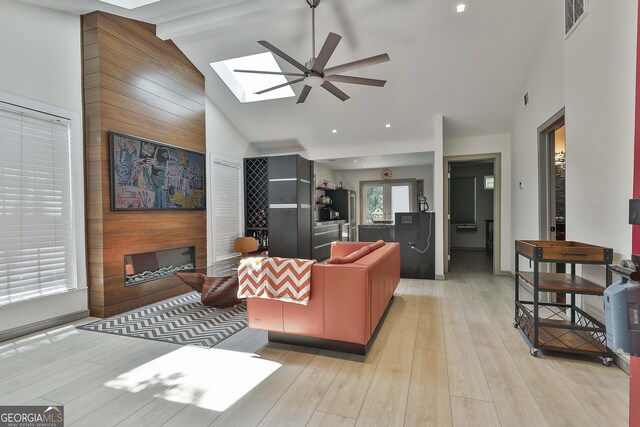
553	325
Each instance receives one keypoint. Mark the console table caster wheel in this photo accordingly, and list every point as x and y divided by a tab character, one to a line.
533	352
515	325
606	361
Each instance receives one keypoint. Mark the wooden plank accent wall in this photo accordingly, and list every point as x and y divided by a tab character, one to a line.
135	83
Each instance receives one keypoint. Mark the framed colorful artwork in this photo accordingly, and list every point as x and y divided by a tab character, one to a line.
150	175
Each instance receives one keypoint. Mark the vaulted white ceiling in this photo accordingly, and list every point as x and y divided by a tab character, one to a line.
470	67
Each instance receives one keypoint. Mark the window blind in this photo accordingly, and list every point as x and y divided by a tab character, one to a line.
400	199
227	195
37	253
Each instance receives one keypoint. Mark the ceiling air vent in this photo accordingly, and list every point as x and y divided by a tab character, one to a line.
574	12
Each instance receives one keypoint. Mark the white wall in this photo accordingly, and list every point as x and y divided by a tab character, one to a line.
546	86
600	118
226	142
438	191
600	61
592	75
41	69
491	144
324	173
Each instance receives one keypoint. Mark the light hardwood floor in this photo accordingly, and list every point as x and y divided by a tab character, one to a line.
446	355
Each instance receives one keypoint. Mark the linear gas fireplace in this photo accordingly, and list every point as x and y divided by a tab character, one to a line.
148	266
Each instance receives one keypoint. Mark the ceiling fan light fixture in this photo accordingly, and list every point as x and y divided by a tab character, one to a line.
313	81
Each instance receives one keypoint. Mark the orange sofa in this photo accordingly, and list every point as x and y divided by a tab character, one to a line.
348	300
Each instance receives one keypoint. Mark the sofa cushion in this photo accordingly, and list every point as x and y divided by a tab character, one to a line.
352	257
375	245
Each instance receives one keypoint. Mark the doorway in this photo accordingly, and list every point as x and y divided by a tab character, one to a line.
552	162
472	229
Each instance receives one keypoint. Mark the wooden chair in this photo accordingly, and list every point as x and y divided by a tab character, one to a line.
245	245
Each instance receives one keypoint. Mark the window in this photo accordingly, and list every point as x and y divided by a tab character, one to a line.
245	85
373	203
574	11
37	240
489	182
227	206
382	199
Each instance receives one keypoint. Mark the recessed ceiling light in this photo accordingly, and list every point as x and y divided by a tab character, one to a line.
461	7
388	125
355	161
334	131
130	4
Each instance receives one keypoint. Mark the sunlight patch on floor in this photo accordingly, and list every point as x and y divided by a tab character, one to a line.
208	378
35	341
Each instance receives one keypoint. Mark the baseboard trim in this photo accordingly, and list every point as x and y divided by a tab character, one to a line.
43	324
622	363
505	273
440	277
471	249
333	345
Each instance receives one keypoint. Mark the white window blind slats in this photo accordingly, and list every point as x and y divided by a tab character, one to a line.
227	195
37	251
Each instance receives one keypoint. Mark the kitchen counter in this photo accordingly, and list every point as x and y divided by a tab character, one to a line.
373	232
335	221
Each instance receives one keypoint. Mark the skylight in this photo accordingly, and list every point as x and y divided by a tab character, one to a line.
244	85
129	4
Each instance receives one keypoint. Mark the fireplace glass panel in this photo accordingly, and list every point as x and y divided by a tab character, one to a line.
148	266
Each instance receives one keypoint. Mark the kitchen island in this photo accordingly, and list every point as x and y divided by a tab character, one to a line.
415	231
373	232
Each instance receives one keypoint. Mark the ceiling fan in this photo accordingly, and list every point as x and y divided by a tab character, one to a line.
314	73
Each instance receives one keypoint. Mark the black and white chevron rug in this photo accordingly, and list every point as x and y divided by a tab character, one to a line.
180	320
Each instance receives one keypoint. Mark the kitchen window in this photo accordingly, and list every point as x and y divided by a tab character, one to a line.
380	200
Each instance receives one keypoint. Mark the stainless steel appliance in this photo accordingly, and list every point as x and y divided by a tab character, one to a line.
328	214
344	201
344	232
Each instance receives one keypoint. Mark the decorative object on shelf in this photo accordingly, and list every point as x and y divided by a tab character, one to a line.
314	73
149	175
325	183
422	202
386	174
340	187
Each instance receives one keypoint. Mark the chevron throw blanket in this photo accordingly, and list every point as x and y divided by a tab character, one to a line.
283	279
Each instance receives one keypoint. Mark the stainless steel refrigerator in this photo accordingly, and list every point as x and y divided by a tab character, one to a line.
344	202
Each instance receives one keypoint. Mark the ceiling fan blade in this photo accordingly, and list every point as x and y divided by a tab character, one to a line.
334	90
279	86
304	94
325	53
350	66
284	56
356	80
270	72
